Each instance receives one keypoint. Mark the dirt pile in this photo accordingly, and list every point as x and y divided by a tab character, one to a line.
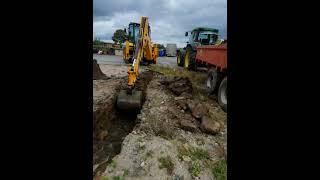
111	125
97	73
178	85
195	117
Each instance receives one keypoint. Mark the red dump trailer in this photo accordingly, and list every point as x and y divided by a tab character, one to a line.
214	57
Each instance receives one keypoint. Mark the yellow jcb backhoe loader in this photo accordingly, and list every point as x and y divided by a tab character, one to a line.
130	44
145	50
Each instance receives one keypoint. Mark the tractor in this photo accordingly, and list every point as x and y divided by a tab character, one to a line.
198	36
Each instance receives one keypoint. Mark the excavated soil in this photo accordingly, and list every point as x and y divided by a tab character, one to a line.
111	125
97	73
173	122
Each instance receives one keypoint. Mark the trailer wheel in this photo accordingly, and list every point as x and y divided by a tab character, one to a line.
212	80
222	94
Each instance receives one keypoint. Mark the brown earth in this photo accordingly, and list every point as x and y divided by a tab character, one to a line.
97	73
176	115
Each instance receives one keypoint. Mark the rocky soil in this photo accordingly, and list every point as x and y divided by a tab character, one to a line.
180	133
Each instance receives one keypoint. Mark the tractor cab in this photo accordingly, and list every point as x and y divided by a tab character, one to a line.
203	36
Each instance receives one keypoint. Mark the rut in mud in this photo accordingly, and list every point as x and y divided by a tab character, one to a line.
111	126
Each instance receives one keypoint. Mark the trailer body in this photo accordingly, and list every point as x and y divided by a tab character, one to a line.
214	57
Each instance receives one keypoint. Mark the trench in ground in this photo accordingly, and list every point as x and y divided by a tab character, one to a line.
118	125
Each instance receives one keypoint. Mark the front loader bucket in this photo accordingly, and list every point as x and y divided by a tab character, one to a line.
129	102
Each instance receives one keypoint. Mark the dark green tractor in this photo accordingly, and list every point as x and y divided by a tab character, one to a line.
198	36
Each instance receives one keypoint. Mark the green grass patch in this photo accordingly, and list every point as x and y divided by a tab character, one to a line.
195	168
193	153
112	164
104	178
219	170
195	77
141	148
166	162
125	172
118	178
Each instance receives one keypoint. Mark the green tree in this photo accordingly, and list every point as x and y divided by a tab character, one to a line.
119	36
160	46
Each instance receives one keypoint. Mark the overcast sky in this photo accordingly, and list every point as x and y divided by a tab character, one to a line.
169	19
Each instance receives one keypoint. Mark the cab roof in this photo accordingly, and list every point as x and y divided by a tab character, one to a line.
134	23
206	29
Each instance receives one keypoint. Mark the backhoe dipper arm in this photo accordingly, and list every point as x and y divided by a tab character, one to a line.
143	50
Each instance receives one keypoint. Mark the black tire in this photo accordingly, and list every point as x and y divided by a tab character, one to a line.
222	94
212	80
182	54
193	64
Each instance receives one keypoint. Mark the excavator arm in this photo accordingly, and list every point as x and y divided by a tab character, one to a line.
143	50
131	99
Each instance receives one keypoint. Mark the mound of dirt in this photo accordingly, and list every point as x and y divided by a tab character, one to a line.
178	85
97	73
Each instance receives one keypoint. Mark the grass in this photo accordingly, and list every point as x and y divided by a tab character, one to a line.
195	77
219	171
125	172
165	133
104	178
200	141
113	164
197	155
195	168
141	148
166	162
182	140
117	178
193	153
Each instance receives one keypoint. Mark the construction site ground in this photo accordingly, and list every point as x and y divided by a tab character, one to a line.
117	60
180	132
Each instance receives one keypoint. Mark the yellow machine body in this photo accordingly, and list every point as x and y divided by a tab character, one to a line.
144	51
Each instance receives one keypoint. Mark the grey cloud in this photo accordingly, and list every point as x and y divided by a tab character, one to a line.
169	19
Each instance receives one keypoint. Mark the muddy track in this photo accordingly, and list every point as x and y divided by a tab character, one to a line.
111	125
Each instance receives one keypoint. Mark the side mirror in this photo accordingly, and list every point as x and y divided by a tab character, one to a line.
186	34
125	30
